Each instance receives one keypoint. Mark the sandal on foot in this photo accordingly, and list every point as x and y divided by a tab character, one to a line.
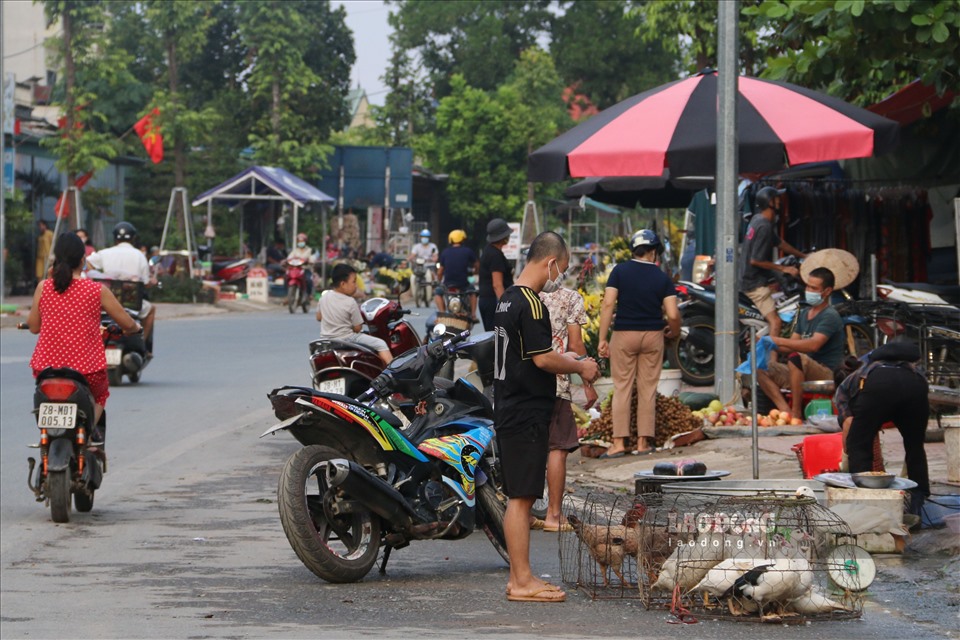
540	595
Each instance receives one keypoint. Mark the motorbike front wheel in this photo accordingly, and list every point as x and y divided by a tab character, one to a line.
693	352
493	509
337	548
58	493
114	377
293	298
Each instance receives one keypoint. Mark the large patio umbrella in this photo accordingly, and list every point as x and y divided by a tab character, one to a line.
674	126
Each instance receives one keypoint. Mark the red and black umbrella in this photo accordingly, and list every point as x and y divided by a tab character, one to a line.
674	126
651	193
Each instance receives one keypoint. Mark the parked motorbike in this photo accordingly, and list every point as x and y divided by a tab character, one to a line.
69	465
361	481
347	368
126	355
297	291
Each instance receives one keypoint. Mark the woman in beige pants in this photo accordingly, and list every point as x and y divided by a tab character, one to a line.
642	294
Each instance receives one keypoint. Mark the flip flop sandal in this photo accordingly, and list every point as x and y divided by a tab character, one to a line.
539	596
537	525
611	456
645	452
566	526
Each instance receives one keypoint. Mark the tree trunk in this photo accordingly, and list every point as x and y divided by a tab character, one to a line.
275	109
71	79
179	157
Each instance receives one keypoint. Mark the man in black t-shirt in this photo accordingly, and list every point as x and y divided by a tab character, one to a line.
496	274
525	368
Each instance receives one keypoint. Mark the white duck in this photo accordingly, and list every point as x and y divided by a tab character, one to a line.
779	582
813	601
688	564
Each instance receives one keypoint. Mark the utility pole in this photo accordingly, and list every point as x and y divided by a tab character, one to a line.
727	170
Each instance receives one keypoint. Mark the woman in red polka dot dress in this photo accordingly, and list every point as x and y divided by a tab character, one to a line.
66	314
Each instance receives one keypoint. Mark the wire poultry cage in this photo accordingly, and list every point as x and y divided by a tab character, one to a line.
767	558
600	555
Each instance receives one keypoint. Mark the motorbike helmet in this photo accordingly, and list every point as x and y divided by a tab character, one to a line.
124	232
765	197
643	240
457	236
425	233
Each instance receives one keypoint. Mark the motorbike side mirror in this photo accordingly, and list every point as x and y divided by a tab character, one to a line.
439	330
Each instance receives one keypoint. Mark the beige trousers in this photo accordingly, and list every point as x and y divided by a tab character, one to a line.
636	358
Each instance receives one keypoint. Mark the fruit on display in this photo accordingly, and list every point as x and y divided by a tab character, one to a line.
673	417
716	415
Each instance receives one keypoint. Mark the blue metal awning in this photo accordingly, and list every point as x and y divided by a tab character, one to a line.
265	183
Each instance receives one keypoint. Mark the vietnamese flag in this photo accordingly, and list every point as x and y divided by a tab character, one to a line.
150	135
62	208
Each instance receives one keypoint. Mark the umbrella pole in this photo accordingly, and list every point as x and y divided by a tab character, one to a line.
726	309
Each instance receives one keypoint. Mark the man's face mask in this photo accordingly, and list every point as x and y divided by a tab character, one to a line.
552	285
424	240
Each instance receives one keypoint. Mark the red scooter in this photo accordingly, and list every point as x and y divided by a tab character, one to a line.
339	366
297	292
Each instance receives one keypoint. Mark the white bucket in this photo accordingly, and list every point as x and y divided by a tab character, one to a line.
951	438
670	381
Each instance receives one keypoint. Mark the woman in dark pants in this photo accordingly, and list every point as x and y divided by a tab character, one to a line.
887	389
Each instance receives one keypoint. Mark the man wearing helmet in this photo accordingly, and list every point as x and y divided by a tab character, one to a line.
427	253
124	261
756	260
303	251
456	263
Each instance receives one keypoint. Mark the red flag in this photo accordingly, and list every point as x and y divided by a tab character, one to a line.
62	208
150	135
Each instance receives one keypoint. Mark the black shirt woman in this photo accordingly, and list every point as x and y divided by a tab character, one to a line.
642	294
496	274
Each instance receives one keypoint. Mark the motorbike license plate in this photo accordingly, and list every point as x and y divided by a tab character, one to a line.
337	385
114	357
57	415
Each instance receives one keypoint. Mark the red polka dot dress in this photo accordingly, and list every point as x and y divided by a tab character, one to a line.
70	328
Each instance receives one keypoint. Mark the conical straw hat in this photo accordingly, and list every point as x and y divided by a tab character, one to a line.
842	263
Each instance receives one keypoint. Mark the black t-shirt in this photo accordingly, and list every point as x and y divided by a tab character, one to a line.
641	288
456	261
521	331
492	259
758	244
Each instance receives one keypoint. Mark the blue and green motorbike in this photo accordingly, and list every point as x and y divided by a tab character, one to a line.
367	478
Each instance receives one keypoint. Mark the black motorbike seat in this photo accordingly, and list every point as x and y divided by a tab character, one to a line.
70	374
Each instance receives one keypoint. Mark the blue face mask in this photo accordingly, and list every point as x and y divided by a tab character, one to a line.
424	240
813	298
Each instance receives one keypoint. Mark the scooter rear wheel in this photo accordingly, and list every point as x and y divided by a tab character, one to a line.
83	501
337	548
694	355
58	493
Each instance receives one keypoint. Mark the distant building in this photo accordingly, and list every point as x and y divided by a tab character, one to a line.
359	107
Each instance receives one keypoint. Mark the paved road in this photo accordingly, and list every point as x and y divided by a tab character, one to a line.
184	539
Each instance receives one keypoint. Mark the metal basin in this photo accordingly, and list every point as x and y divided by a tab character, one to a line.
873	480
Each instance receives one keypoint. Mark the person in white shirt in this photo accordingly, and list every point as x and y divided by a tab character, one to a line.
425	250
124	261
339	314
303	251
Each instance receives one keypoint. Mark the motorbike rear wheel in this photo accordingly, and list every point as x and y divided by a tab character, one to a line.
494	510
83	501
58	493
691	354
335	548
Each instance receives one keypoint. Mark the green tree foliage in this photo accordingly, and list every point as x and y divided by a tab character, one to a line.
408	107
862	50
687	29
482	138
597	51
298	79
89	61
477	39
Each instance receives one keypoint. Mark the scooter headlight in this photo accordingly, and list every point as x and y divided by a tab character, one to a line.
455	306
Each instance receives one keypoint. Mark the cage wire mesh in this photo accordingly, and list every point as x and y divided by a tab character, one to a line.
600	555
763	558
